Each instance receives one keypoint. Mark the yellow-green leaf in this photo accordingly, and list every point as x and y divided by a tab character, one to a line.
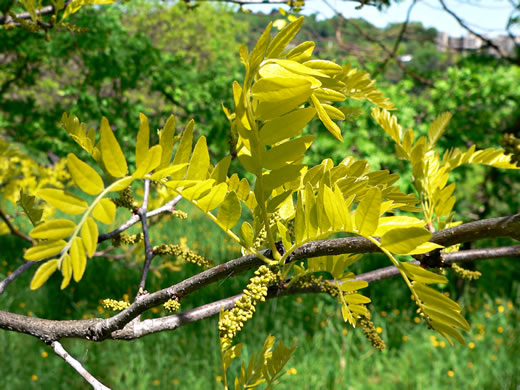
324	117
356	298
288	152
111	153
169	170
282	39
419	274
425	248
433	297
143	140
367	212
44	250
167	140
287	126
354	285
63	200
215	197
246	232
276	89
43	273
121	184
404	240
328	67
199	163
447	316
437	127
388	223
78	258
66	271
54	229
219	174
302	52
229	211
85	177
198	190
447	330
105	211
89	234
150	162
184	150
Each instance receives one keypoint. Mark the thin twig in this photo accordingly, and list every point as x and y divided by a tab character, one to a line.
47	10
75	364
148	251
13	229
488	42
16	273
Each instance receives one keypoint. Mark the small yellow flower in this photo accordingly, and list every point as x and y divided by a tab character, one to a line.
486	306
488	314
494	357
299	300
498	301
29	313
416	320
292	371
470	364
510	305
379	330
480	326
344	331
100	310
323	323
22	305
451	373
442	344
397	311
501	309
175	382
315	309
307	318
156	382
471	345
34	377
405	338
4	263
433	339
384	314
500	329
44	354
447	293
218	378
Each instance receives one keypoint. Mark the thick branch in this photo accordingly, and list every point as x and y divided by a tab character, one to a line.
60	351
98	329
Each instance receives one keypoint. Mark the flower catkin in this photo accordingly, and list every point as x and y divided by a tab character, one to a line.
370	332
179	251
232	321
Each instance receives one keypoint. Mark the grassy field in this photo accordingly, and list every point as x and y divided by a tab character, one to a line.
329	354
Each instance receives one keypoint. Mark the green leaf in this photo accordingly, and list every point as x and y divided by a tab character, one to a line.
282	39
404	240
143	140
278	177
167	140
184	150
63	201
105	211
121	184
89	234
388	223
150	162
202	188
26	202
229	211
53	230
302	52
425	248
324	117
44	250
287	126
367	212
356	298
85	177
447	316
215	197
447	330
258	53
288	152
78	258
433	297
199	163
43	273
111	153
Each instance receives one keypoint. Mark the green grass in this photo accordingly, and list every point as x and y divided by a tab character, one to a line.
329	354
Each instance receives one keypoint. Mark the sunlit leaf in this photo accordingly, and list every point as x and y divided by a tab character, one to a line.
404	240
111	153
54	229
44	250
105	211
89	234
63	200
85	177
43	273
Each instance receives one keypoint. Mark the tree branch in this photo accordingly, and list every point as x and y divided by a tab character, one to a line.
488	42
13	230
17	272
61	352
99	329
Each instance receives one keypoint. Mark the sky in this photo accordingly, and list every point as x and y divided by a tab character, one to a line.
488	17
